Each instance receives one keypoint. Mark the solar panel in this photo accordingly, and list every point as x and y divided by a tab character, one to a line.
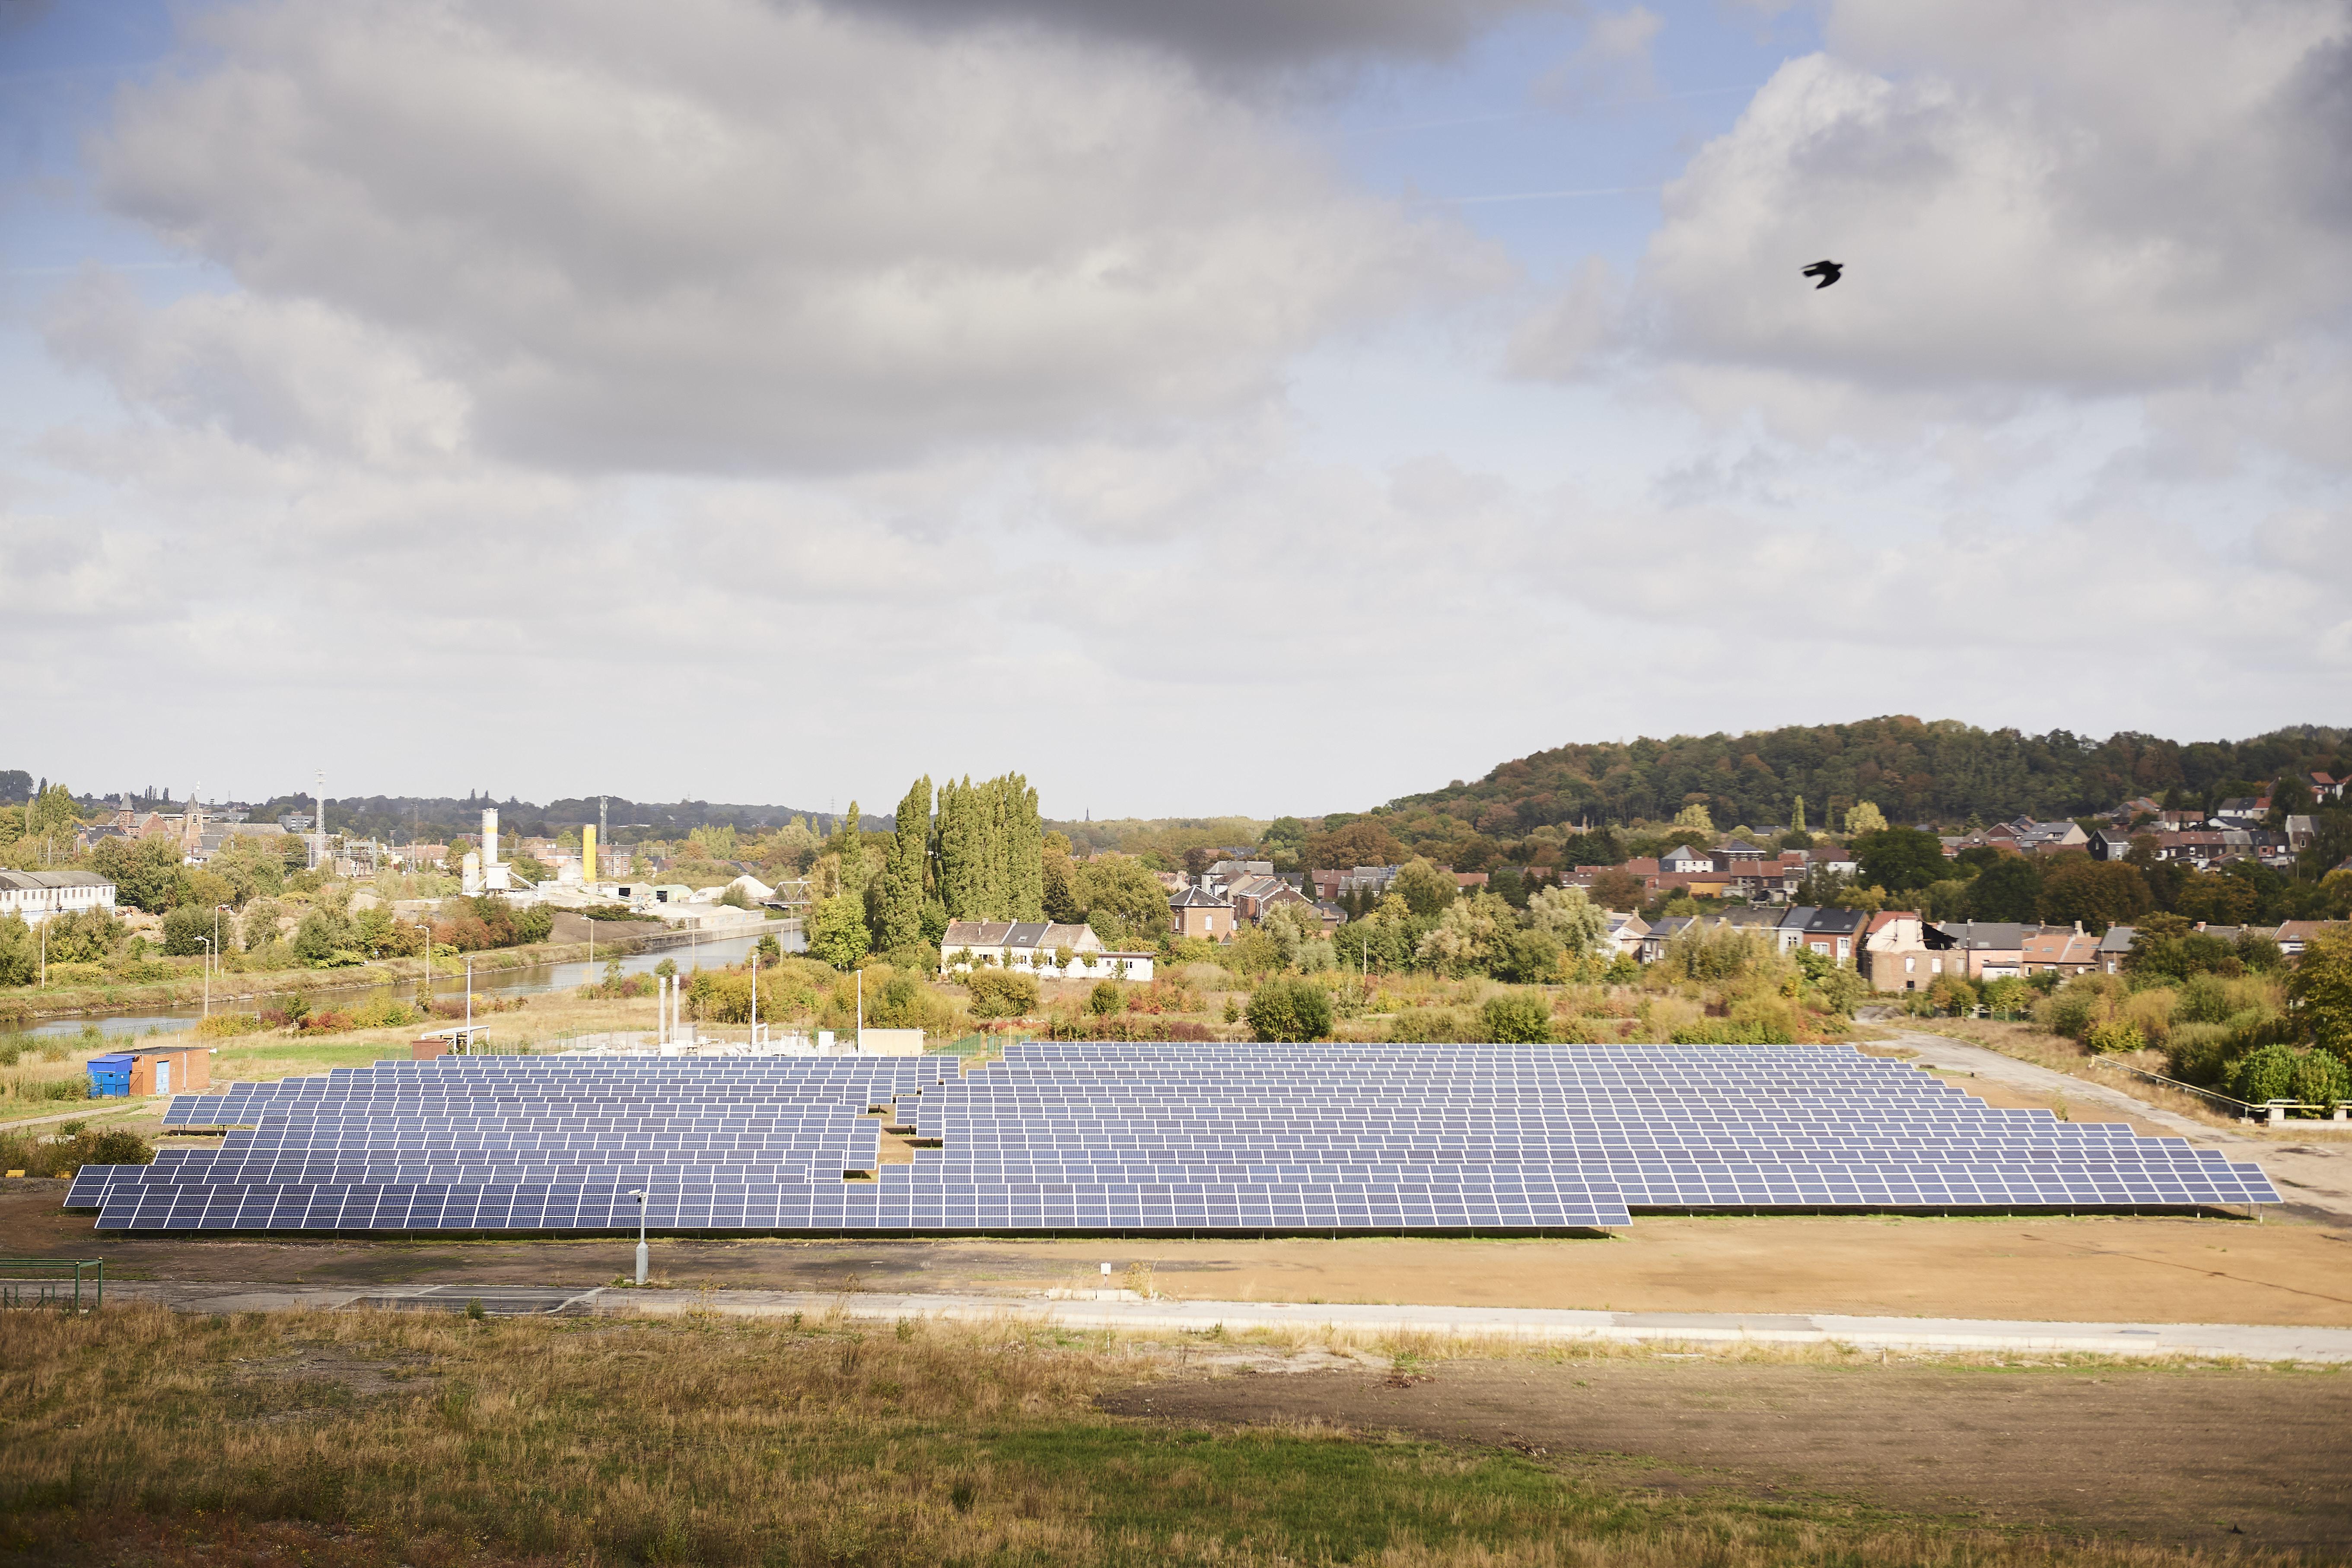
1130	1138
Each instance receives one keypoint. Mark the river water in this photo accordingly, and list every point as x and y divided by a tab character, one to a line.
710	955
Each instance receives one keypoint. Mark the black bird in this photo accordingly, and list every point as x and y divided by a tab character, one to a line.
1828	272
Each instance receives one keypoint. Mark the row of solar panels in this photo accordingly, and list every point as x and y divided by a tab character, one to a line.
1085	1132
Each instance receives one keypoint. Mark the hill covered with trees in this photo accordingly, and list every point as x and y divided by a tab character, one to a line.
1938	771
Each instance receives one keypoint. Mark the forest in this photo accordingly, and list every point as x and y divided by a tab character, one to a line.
1938	771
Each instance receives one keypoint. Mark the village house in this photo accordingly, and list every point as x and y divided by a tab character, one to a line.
1902	951
1038	947
2067	951
1202	913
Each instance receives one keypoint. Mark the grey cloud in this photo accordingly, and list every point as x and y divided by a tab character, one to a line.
724	236
1244	33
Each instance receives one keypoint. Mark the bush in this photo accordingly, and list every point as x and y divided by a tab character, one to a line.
2264	1075
1289	1010
1727	1032
2070	1012
1426	1026
186	931
64	1156
2199	1054
2320	1080
1001	993
1110	996
227	1025
1517	1019
2204	1000
2007	995
2111	1035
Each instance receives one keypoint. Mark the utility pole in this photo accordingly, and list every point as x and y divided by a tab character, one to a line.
318	829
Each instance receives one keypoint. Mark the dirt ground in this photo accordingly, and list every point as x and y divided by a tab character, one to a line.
2105	1268
2205	1458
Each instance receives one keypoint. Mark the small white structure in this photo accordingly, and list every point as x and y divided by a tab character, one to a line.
1036	947
39	895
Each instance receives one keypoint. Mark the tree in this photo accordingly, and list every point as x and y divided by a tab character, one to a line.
836	931
186	931
2319	992
991	850
2099	893
1366	841
146	871
1124	901
1617	890
2008	890
1061	882
1530	957
1797	825
1289	1010
1425	889
1864	817
1470	937
2217	899
1899	860
902	872
1695	820
51	813
1571	915
20	952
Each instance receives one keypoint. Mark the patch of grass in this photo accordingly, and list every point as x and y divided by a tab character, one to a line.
405	1439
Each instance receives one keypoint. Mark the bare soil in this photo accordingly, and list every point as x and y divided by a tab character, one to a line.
2124	1269
2203	1458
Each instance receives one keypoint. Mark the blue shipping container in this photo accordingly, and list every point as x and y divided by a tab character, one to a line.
110	1076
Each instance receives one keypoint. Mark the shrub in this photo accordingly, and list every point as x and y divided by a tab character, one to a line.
1426	1026
2070	1012
383	1013
1108	997
64	1156
228	1026
2205	999
1001	993
186	931
1290	1010
2320	1080
2199	1054
1726	1032
2110	1036
2265	1075
1517	1019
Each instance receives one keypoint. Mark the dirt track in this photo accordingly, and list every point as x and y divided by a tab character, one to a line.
2156	1456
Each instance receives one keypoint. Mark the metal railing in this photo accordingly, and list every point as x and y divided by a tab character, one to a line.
2275	1110
52	1283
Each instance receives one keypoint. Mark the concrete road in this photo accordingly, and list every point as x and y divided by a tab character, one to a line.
1122	1312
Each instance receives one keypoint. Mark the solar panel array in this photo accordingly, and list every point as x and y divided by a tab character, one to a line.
1131	1139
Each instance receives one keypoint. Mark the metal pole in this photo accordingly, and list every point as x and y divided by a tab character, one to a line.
469	1004
861	1009
208	976
643	1256
755	997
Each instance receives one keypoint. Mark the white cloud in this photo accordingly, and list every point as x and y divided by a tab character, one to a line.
2086	198
729	234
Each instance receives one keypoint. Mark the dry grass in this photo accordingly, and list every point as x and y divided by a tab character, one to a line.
384	1438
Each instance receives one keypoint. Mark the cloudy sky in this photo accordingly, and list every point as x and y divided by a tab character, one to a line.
1235	406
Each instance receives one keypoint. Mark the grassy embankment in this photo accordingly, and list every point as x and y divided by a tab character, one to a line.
369	1438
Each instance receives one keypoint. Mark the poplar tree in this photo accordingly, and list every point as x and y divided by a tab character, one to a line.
902	874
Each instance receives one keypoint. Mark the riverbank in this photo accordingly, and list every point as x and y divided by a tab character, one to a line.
242	990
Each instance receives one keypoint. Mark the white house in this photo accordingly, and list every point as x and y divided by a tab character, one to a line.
1035	946
37	895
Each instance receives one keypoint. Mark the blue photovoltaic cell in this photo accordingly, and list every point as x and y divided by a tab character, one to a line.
1129	1138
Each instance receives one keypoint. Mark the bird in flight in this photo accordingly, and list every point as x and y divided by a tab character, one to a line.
1828	272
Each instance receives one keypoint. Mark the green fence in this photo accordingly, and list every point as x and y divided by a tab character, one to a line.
71	1284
